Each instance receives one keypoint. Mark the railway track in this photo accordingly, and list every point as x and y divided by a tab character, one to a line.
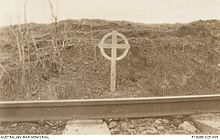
108	108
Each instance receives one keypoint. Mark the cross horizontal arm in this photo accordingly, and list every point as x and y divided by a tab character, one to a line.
117	46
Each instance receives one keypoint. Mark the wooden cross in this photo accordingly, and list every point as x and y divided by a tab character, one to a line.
114	46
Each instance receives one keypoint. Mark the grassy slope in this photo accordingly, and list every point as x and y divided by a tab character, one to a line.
166	59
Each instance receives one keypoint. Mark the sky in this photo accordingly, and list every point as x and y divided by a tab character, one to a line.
144	11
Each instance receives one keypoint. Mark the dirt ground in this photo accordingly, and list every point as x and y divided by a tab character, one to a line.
164	60
32	128
173	125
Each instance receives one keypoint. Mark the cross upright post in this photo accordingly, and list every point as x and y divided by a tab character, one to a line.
113	61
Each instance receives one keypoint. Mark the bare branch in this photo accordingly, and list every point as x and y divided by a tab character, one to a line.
63	45
3	71
18	43
52	11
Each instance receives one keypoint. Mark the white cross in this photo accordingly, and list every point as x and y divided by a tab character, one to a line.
114	46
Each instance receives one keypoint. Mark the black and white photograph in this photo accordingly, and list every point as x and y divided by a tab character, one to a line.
110	67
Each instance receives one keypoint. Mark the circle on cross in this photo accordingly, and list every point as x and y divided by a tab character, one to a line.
114	46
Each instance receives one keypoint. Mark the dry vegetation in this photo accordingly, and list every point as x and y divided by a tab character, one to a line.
62	61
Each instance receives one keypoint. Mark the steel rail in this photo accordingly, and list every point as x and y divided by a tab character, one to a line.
108	108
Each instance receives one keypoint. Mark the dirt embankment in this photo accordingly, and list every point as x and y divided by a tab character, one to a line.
164	59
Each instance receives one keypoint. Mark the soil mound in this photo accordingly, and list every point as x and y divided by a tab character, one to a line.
164	60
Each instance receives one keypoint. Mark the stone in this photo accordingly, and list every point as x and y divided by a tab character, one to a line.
179	132
114	130
165	121
157	122
186	126
176	122
141	128
112	124
132	131
207	123
108	120
124	126
14	125
131	125
133	121
150	130
86	127
33	128
161	121
161	128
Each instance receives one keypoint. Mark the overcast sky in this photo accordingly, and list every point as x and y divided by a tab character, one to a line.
146	11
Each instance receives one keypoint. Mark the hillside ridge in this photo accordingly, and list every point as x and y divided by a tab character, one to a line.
164	60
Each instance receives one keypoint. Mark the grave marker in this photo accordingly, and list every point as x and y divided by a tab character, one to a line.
114	46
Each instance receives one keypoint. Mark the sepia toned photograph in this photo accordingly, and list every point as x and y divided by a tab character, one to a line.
110	67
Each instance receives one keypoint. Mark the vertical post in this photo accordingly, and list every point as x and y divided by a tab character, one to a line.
113	61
